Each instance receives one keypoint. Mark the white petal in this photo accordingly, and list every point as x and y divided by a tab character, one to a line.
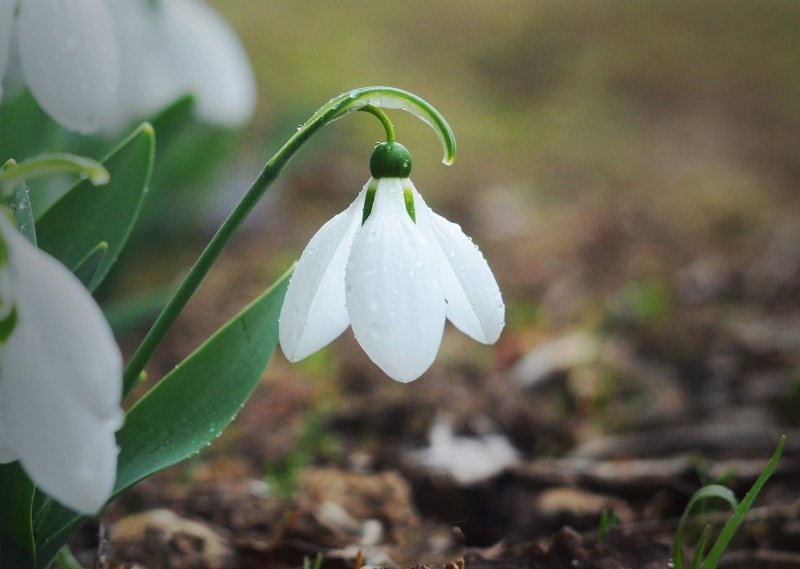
70	60
394	300
209	59
474	303
7	452
314	311
61	381
6	22
148	82
13	82
8	286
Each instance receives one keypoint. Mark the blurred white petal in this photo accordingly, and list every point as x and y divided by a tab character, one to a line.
209	60
469	460
13	83
474	303
6	26
7	452
314	311
69	58
148	82
393	295
60	381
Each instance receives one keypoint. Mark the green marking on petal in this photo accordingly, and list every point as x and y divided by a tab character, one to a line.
369	199
408	196
7	326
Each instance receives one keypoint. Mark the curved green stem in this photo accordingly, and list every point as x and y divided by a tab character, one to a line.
336	108
385	121
13	174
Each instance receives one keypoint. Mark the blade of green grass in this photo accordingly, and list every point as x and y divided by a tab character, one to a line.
712	491
740	513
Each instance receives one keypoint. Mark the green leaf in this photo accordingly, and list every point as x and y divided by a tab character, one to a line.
16	528
187	410
189	152
71	229
174	118
27	129
20	203
189	149
87	269
700	550
126	314
191	406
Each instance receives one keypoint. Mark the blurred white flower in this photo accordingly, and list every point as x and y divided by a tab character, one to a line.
60	377
394	280
95	64
176	47
68	56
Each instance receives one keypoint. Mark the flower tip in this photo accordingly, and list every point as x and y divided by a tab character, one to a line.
98	175
147	128
403	379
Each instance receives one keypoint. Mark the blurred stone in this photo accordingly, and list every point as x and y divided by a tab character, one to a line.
356	498
173	541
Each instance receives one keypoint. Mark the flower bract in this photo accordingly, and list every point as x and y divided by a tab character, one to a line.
393	270
60	377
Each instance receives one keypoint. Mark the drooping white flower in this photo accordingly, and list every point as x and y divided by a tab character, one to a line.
68	56
95	64
394	278
60	377
180	47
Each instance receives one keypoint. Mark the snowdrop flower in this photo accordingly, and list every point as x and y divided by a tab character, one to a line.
68	56
100	64
60	377
393	270
176	47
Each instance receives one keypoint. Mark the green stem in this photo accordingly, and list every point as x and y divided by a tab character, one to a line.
336	108
385	121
